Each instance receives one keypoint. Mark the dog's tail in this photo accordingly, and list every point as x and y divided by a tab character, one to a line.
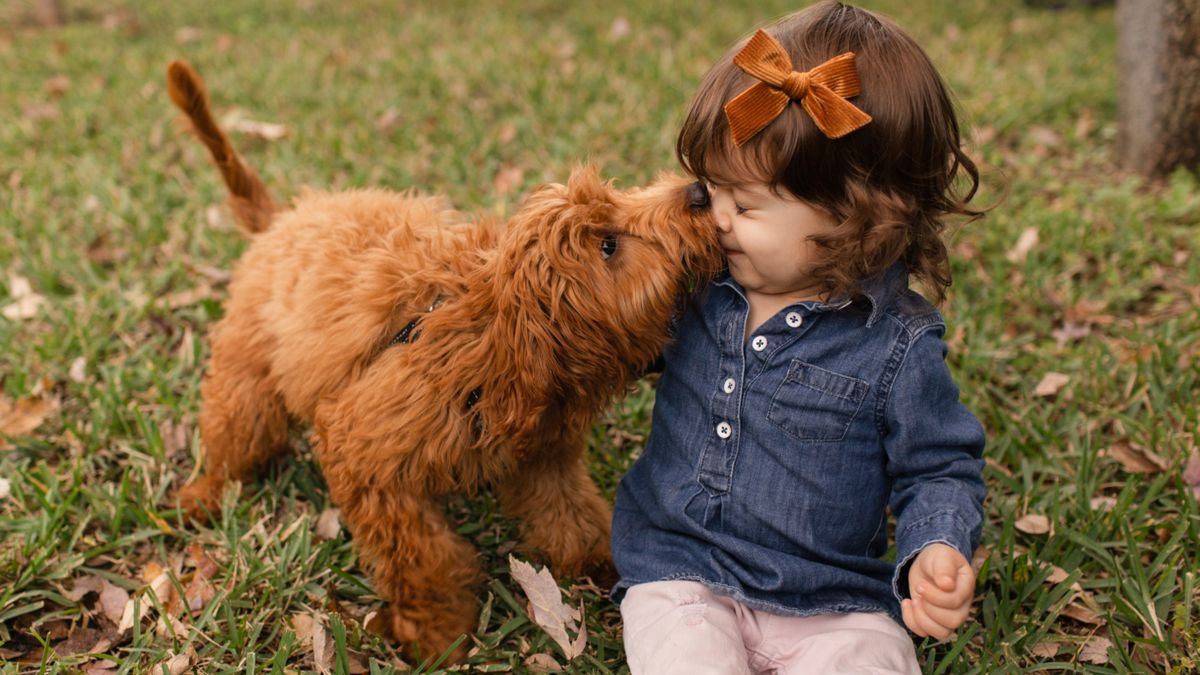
248	197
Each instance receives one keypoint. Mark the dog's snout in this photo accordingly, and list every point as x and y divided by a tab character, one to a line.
698	196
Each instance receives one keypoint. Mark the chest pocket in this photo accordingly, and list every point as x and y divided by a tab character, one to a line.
816	405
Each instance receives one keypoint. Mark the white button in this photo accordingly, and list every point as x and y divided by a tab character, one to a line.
794	319
759	343
730	385
724	430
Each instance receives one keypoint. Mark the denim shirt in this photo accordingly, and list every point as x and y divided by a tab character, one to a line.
771	461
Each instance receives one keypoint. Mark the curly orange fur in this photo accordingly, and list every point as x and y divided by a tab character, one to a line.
532	314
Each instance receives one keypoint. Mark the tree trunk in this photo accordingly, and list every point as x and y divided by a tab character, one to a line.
1158	54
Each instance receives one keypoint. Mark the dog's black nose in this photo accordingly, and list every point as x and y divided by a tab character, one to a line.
697	196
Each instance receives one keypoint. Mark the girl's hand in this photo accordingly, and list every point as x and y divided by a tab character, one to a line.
942	584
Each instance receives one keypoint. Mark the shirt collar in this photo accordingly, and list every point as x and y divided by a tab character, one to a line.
879	290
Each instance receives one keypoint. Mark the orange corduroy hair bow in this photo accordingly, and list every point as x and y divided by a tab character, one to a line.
822	91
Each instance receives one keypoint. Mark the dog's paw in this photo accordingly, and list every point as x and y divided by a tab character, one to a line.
201	499
422	636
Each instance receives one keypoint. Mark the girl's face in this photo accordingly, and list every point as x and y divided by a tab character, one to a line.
766	238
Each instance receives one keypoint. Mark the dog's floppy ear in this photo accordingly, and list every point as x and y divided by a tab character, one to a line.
520	382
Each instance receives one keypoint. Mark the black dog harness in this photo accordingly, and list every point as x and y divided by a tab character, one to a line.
410	333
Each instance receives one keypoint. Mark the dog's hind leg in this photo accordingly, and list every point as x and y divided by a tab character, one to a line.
243	421
560	510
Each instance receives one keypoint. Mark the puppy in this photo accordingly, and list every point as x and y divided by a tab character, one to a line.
434	355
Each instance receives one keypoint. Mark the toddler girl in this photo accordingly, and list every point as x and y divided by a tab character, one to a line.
807	390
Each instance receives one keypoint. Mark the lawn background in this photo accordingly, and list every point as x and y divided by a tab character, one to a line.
107	211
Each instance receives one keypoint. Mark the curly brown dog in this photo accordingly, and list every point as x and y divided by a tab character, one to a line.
435	355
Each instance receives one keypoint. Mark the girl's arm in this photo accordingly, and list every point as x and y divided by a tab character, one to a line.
934	449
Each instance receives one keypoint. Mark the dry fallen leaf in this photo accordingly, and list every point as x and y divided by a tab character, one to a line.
1095	650
267	131
620	28
1081	613
27	303
543	663
176	665
5	488
328	525
310	629
78	370
1136	459
549	612
1025	244
22	416
1191	473
1033	523
1051	383
1104	503
1045	649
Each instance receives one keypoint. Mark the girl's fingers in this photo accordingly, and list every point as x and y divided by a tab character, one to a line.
948	618
931	627
910	620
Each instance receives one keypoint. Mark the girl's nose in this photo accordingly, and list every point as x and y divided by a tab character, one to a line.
721	216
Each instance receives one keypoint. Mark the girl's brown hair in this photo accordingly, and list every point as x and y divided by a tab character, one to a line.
889	185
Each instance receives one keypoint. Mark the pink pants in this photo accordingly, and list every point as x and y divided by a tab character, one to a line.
683	627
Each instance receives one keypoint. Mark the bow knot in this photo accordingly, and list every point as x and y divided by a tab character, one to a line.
795	85
822	91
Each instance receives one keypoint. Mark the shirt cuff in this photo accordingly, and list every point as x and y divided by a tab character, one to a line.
939	528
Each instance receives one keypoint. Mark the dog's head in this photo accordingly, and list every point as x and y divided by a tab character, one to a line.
588	278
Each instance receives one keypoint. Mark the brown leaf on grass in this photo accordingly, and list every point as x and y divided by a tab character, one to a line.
79	642
1095	650
35	112
186	34
189	296
1050	384
101	252
18	418
310	629
57	86
1136	459
328	525
620	28
979	558
543	663
176	665
1103	503
27	303
387	122
1083	614
268	131
548	610
1025	243
1034	523
137	608
100	667
5	488
1045	649
1191	473
78	370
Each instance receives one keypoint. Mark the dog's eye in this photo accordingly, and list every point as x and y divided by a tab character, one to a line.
608	246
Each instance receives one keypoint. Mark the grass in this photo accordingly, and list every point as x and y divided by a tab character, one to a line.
108	218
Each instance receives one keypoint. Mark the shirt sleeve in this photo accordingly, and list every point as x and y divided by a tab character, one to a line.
934	449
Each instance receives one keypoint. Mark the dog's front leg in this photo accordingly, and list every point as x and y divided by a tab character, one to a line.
425	571
560	509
